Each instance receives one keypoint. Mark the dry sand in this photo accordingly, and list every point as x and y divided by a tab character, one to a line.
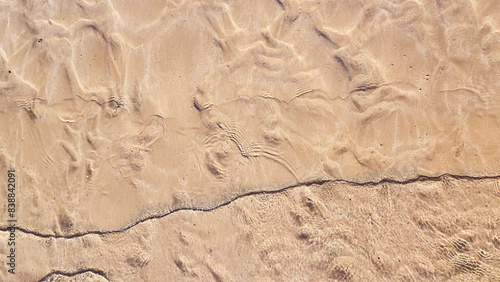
251	140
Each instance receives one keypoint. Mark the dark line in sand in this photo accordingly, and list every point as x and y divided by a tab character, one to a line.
326	37
344	66
73	274
281	4
420	178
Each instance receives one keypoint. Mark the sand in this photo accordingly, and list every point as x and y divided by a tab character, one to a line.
251	140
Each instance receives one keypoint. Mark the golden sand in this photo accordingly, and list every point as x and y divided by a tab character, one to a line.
251	140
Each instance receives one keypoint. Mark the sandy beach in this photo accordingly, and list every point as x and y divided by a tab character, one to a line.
264	140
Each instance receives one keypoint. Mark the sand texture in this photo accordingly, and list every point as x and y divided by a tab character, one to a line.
264	140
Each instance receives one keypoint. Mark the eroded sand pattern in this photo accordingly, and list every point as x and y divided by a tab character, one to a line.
251	140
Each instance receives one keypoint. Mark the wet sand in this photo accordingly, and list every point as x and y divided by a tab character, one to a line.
251	140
